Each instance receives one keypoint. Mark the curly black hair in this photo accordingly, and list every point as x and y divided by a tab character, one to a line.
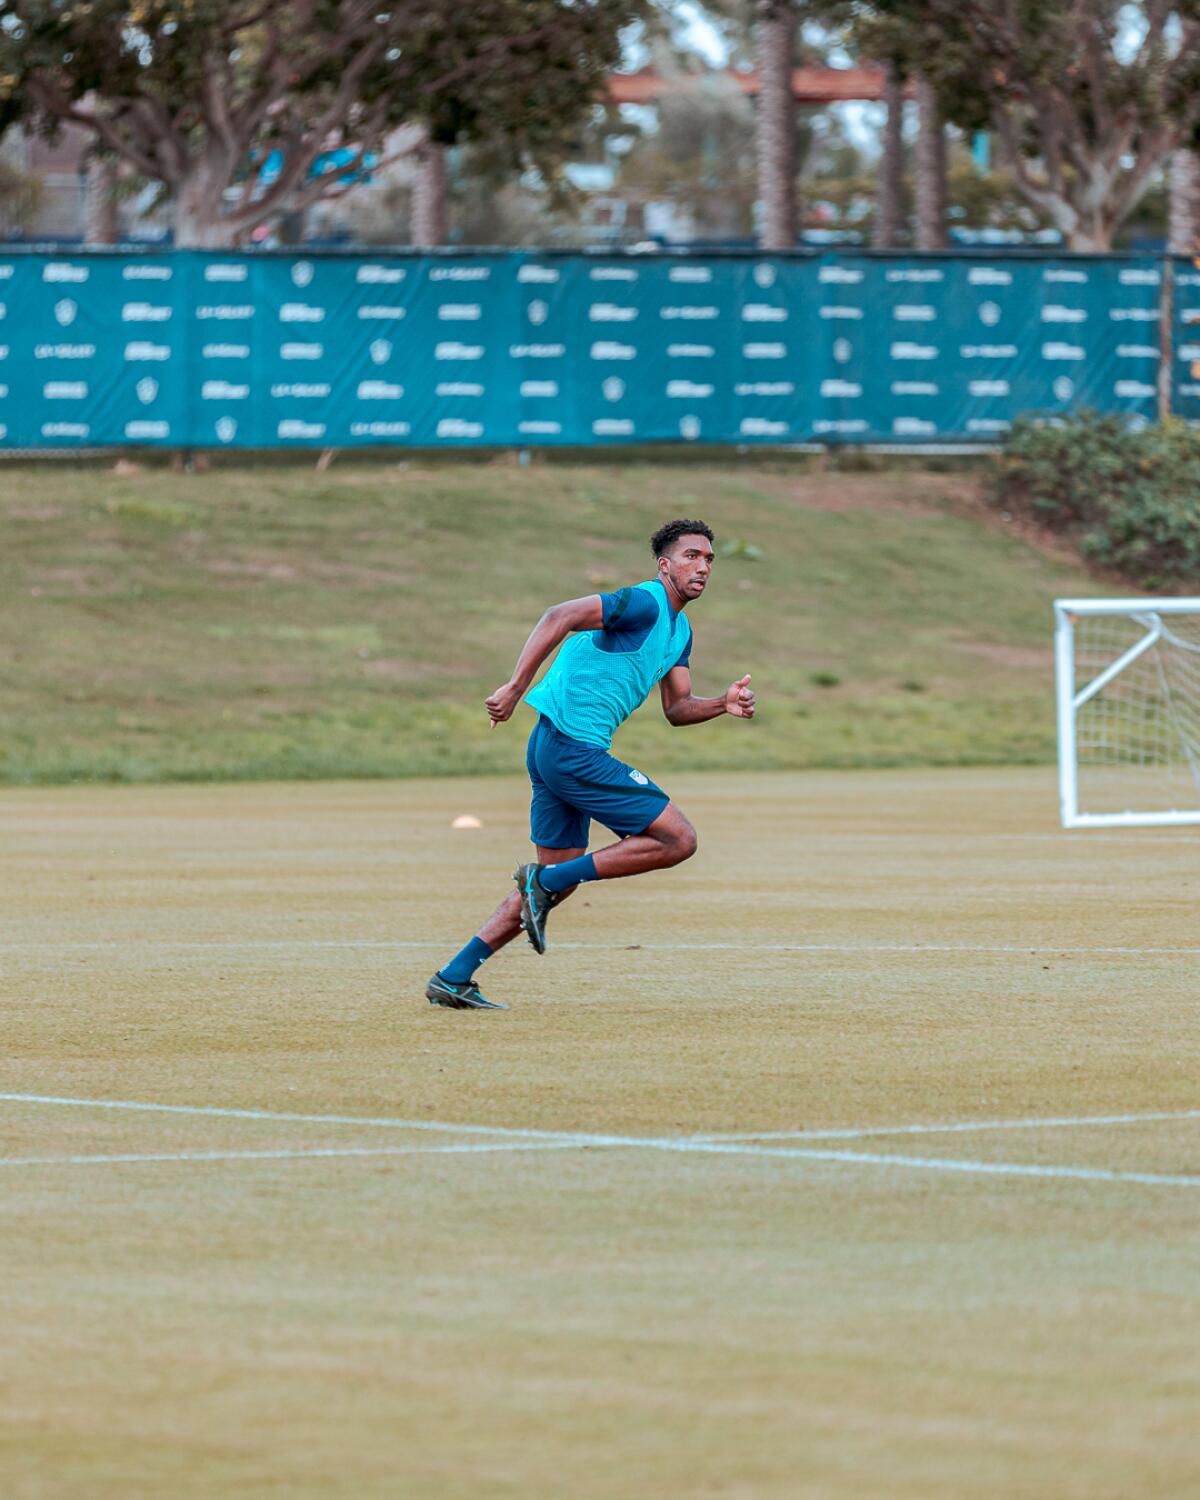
666	536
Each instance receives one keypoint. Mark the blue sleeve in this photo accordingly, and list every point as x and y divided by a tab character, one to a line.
629	610
685	655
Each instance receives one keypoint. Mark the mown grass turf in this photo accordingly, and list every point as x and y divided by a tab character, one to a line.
284	623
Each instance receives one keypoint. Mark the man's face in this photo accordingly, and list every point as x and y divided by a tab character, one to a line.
688	564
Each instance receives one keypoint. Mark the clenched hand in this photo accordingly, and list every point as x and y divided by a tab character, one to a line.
739	700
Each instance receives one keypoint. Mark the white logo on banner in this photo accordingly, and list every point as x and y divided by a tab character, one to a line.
612	273
987	351
611	312
459	388
379	275
309	389
460	273
842	350
764	351
1145	351
988	387
537	351
147	429
1050	274
226	271
292	427
683	389
456	427
762	427
914	351
302	273
988	276
542	274
913	426
1134	314
65	390
1056	314
612	427
842	312
139	351
539	388
381	351
763	312
613	388
145	312
1133	388
764	275
692	312
914	388
690	351
65	429
458	351
460	312
59	351
989	313
379	390
58	270
689	273
1138	277
146	273
65	310
848	388
540	429
764	388
301	312
301	351
913	275
537	311
225	311
226	429
839	274
1062	351
613	351
223	390
1064	388
147	389
689	427
918	312
379	429
376	311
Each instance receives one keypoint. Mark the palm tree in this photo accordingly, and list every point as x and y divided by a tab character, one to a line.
891	164
775	26
931	169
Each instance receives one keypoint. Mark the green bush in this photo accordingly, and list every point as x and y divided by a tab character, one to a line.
1130	499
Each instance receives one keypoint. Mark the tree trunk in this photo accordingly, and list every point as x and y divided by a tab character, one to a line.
931	169
200	223
1183	233
429	216
101	222
887	196
775	125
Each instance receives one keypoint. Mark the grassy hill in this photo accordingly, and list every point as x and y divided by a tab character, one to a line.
279	622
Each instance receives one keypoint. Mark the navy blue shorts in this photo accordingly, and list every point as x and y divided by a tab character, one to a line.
574	783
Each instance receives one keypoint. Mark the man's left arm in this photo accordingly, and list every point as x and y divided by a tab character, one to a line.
681	707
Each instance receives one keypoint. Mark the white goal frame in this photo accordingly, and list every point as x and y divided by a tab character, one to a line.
1069	701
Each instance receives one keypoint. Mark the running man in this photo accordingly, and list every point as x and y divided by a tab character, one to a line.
620	645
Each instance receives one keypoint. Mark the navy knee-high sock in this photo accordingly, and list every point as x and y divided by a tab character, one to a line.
570	872
464	963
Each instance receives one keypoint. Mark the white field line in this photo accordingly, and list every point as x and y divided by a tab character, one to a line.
967	1127
682	1144
284	945
286	1154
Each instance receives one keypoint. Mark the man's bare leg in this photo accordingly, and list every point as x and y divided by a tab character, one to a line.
505	922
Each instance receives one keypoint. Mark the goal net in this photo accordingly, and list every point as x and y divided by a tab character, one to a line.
1128	690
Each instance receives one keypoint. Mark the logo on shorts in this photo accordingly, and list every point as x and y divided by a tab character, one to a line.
639	778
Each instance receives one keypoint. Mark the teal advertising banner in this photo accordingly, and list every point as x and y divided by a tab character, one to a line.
212	350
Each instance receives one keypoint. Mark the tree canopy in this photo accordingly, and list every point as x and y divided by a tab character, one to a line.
247	108
1087	97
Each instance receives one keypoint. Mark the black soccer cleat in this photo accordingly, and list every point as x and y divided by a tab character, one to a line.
466	996
536	902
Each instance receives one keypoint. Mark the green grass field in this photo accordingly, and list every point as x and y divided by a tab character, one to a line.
943	1246
281	623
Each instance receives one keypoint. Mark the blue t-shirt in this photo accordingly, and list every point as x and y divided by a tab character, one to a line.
629	616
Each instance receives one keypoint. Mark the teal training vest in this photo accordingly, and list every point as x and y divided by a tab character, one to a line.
588	693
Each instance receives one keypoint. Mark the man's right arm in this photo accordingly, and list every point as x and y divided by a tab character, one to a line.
550	631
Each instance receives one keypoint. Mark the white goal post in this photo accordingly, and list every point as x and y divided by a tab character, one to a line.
1127	676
